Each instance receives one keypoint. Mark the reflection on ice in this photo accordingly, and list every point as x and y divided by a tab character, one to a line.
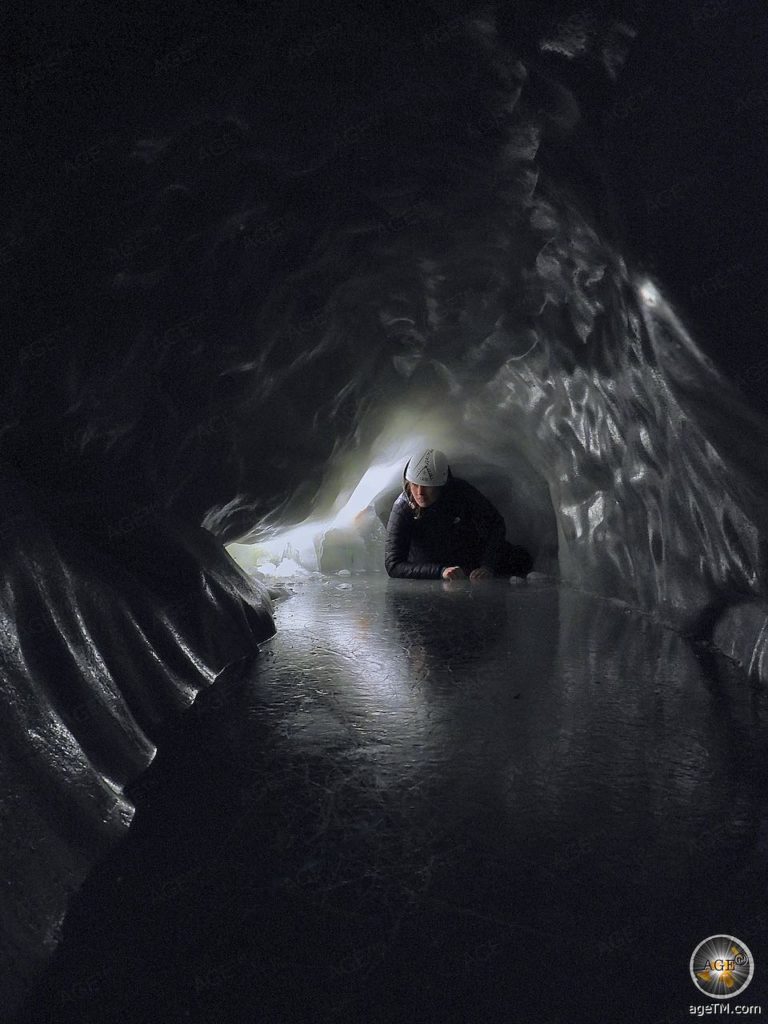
575	712
444	764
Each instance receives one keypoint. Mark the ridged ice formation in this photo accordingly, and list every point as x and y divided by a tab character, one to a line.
345	231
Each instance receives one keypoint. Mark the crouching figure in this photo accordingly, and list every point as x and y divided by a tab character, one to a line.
441	527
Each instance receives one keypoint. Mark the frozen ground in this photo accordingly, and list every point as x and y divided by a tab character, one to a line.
435	802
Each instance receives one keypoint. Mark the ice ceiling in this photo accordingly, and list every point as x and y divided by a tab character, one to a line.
367	231
372	230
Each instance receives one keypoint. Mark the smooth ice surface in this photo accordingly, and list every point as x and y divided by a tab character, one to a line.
436	802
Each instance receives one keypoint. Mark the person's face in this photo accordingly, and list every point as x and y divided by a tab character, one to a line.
424	496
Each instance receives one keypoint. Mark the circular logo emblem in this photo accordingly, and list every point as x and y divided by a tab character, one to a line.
722	966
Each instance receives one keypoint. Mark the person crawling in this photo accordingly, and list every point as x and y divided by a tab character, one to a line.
441	527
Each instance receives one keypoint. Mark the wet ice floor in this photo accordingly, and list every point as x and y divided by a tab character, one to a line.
436	802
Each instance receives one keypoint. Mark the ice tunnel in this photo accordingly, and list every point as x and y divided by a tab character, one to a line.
266	252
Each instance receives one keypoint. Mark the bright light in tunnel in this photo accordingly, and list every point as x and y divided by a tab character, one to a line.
408	431
276	549
298	540
374	480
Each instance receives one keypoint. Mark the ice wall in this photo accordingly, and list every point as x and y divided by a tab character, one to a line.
341	228
370	219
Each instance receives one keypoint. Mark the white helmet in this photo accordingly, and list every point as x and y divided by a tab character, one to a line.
429	468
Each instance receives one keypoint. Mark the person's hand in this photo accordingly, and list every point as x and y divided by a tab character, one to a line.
481	573
454	572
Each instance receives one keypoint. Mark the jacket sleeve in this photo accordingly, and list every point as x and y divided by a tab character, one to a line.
398	545
490	526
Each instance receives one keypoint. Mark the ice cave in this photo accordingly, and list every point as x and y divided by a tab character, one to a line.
255	255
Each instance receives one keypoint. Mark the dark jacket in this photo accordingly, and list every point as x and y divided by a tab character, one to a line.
461	528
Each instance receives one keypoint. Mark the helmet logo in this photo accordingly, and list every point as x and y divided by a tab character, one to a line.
428	468
425	466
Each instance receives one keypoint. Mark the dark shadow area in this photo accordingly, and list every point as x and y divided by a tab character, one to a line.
434	802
